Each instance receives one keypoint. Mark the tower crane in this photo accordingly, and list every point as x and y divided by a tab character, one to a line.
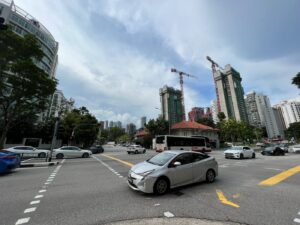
181	74
214	67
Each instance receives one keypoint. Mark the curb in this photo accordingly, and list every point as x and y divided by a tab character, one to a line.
44	164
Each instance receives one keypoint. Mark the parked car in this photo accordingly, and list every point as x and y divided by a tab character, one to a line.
285	147
273	150
8	161
71	151
96	149
296	148
171	169
239	152
135	149
29	151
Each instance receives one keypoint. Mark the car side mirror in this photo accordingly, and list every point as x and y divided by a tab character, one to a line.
175	164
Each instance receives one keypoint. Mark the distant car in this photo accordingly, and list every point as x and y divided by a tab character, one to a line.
8	161
296	148
71	151
239	152
29	151
96	149
285	147
273	150
171	169
136	149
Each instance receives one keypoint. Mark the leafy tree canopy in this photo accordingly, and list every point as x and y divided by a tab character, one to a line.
296	80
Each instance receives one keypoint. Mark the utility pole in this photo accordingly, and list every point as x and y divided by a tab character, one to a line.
215	65
181	74
53	143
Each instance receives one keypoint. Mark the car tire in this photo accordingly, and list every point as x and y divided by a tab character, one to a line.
241	156
210	176
60	156
161	186
42	155
85	155
253	156
136	152
144	151
128	153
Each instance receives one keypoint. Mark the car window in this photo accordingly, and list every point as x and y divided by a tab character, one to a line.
75	148
18	148
246	148
185	158
29	148
198	157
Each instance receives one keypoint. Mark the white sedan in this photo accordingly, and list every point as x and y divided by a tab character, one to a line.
296	148
136	149
28	151
71	151
239	152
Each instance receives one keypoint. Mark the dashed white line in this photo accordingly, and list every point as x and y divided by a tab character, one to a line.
157	204
35	202
23	220
29	210
41	191
299	213
39	196
296	220
47	183
168	214
108	167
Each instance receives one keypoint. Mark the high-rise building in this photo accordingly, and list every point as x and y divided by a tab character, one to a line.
279	120
23	23
289	110
131	129
214	111
231	93
111	124
59	103
106	125
261	114
196	113
171	105
143	121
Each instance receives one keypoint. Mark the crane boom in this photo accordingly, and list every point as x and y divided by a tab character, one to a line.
181	74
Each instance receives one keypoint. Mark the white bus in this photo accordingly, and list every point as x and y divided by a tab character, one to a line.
170	142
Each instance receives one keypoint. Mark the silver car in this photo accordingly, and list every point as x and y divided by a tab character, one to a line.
171	169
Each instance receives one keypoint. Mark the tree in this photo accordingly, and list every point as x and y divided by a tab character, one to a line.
24	87
157	127
221	116
115	133
293	131
296	80
206	121
124	138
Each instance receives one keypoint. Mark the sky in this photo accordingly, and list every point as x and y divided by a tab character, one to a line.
114	55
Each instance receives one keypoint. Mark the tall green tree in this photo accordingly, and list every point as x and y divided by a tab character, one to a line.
221	116
293	131
296	80
157	127
24	87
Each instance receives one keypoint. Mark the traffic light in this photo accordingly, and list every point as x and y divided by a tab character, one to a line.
2	25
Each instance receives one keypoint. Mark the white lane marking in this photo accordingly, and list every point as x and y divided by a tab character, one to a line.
63	161
157	204
47	183
41	191
29	210
168	214
35	202
108	167
299	213
39	196
27	160
121	176
296	220
273	169
22	221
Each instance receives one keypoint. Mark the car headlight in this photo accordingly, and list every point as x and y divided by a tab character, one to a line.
145	174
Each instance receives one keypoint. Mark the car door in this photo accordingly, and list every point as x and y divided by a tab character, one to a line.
199	167
247	152
182	174
76	152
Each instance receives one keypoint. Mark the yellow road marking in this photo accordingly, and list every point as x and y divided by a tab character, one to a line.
119	160
280	177
224	200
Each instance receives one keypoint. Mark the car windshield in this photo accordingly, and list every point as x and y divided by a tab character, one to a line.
236	148
161	159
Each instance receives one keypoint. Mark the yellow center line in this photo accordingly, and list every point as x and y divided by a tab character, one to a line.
224	200
119	160
280	177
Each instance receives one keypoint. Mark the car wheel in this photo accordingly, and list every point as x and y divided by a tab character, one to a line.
85	155
210	176
144	151
128	153
241	156
42	155
161	186
253	156
60	156
136	152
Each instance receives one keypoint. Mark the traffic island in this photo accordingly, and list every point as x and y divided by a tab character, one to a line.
39	164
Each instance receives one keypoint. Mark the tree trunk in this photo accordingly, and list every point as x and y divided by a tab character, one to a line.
3	135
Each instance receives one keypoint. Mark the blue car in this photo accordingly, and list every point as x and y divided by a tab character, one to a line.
8	161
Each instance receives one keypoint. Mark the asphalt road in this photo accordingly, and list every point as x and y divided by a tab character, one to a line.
94	191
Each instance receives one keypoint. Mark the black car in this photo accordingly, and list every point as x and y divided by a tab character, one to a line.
96	149
273	150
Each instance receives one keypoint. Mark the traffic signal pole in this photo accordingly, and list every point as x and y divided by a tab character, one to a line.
53	143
